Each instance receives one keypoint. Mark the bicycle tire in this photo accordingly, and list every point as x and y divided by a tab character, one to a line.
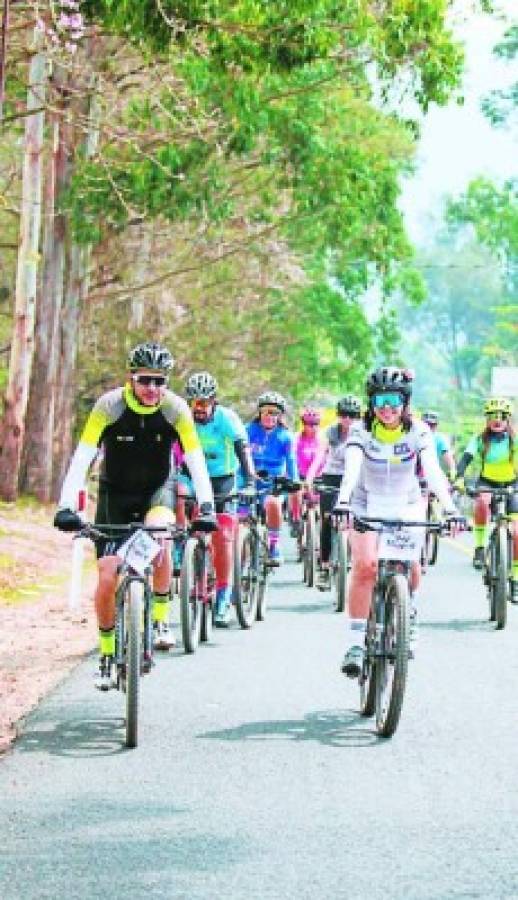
190	605
342	563
311	548
262	578
367	677
133	623
207	591
245	577
432	547
392	663
500	576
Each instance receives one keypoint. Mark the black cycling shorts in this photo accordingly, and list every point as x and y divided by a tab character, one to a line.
512	502
116	508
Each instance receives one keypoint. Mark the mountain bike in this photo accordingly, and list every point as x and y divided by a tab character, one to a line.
251	557
383	676
340	557
133	610
498	562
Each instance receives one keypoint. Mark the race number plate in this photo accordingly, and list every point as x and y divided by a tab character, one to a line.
400	544
139	551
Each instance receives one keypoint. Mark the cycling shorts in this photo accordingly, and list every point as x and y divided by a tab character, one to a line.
117	508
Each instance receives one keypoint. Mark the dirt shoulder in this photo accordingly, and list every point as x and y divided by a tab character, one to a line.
41	638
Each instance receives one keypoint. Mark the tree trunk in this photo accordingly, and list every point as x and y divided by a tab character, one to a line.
22	346
40	416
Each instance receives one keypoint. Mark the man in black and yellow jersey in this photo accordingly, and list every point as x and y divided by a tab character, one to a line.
136	426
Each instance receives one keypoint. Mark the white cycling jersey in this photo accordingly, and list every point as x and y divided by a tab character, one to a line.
375	468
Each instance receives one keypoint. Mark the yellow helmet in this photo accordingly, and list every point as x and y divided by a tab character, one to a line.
497	405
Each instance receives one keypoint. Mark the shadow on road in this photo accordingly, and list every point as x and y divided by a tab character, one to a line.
333	729
89	737
458	625
299	607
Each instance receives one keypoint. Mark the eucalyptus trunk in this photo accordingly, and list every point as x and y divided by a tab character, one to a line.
12	426
38	454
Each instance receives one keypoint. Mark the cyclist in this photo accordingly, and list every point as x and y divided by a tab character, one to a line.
224	441
495	452
332	461
308	444
442	444
136	426
271	445
381	479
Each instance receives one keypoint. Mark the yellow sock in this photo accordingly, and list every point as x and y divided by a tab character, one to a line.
107	641
160	607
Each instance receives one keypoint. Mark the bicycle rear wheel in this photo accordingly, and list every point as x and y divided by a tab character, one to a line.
262	577
190	601
342	570
499	576
245	577
133	624
392	663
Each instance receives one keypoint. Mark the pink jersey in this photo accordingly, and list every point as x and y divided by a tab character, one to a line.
306	449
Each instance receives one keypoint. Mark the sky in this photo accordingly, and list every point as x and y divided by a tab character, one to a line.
457	142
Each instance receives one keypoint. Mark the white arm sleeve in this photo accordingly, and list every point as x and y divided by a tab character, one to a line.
436	479
76	476
195	460
353	464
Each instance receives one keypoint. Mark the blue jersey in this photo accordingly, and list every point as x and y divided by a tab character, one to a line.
441	444
272	450
217	438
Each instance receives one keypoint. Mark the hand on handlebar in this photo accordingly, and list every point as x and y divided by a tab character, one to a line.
67	520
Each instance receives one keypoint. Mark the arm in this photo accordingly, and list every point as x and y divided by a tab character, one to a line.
464	462
242	451
194	458
291	465
436	478
84	455
353	464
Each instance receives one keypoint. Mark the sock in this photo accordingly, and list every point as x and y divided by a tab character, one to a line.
273	537
160	607
355	633
514	570
480	535
107	641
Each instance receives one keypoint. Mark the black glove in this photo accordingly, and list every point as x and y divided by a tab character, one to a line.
206	519
67	520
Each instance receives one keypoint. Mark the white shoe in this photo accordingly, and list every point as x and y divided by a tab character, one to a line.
164	638
352	662
104	677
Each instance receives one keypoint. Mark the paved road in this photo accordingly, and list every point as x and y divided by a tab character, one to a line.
255	777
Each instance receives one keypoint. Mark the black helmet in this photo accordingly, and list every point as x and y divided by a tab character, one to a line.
272	398
390	378
201	386
430	417
349	406
150	356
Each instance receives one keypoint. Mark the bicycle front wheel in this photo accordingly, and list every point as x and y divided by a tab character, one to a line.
499	576
342	570
190	602
311	555
245	577
392	662
133	642
368	674
262	576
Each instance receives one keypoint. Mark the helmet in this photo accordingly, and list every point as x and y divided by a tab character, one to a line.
201	385
431	417
271	398
150	356
498	405
390	378
349	406
310	416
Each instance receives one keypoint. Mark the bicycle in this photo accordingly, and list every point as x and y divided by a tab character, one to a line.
383	675
431	541
309	548
133	610
251	557
340	556
497	571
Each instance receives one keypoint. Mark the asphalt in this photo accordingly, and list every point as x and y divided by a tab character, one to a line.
256	778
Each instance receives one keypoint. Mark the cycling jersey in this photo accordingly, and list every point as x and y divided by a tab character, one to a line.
217	437
442	444
306	448
382	464
272	450
335	459
496	464
136	442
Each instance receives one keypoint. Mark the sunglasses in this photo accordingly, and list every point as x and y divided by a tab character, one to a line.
270	411
148	380
497	416
392	399
202	403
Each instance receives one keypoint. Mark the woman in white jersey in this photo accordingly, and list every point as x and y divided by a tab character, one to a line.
380	478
